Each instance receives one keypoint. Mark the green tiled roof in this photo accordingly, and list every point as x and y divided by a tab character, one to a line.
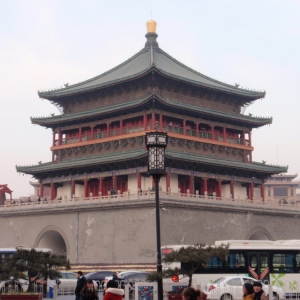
254	166
50	121
135	154
146	60
85	114
222	114
80	162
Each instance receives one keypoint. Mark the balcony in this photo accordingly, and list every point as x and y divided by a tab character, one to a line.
12	206
203	134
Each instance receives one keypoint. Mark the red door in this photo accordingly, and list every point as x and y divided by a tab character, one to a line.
94	188
184	185
122	186
212	187
107	186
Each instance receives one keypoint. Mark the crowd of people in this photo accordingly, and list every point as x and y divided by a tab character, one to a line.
85	290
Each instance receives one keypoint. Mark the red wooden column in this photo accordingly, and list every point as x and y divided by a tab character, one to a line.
191	184
205	185
107	129
197	129
184	126
212	132
79	135
251	190
145	121
101	185
153	120
244	156
139	181
232	188
262	192
115	183
250	141
52	191
160	122
168	181
121	127
41	190
219	188
59	137
92	132
244	136
73	188
224	134
85	188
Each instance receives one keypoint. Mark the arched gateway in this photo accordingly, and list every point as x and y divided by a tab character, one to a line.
259	233
54	238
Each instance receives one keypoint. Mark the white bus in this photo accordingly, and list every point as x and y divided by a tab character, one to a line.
277	262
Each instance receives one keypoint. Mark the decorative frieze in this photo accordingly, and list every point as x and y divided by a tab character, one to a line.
214	150
94	149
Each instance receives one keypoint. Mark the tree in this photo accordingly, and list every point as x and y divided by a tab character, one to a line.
191	259
33	264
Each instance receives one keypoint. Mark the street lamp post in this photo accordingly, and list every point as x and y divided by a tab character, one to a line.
156	143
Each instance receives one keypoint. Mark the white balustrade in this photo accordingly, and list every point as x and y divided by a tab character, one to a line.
141	196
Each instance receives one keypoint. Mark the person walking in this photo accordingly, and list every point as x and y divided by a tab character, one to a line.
248	291
190	293
259	292
113	293
200	295
89	292
80	284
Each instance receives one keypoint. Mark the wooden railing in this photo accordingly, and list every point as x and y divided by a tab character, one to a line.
165	128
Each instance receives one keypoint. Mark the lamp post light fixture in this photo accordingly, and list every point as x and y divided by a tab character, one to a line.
156	143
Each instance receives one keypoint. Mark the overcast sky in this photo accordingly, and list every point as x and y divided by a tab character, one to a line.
44	44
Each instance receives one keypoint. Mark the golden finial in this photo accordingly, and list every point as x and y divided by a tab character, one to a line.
151	26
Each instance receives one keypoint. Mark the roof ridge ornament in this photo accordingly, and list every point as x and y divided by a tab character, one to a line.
151	34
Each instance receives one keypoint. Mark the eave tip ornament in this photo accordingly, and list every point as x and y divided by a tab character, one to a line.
151	26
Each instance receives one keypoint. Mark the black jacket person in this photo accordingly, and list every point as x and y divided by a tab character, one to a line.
80	285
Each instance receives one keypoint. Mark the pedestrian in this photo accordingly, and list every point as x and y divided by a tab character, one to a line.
259	292
248	291
201	295
89	292
80	284
190	293
113	292
39	199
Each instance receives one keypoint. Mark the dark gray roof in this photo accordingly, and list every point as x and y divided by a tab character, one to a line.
146	60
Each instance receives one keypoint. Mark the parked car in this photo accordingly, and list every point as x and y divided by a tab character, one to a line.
131	278
68	281
230	288
99	277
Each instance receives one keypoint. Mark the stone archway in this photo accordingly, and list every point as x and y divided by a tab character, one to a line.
259	233
54	238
